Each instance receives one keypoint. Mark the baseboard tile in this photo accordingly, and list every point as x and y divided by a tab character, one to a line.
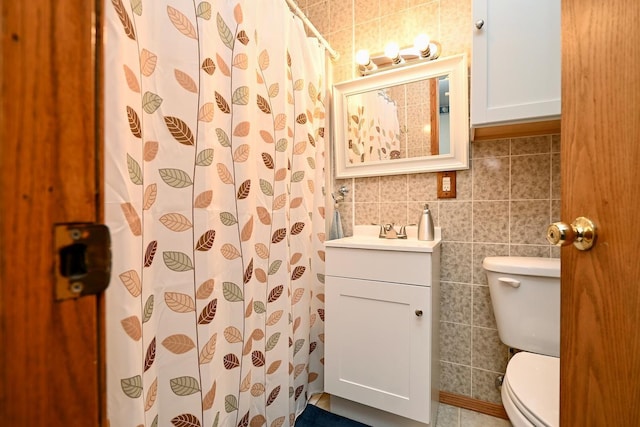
493	409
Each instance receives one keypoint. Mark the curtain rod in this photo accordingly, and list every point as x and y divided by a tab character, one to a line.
300	14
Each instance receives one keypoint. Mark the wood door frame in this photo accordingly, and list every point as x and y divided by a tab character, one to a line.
98	53
51	366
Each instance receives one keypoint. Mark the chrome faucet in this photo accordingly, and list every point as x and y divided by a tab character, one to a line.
388	231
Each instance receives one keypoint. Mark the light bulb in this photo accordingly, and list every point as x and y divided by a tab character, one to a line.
434	50
362	57
421	42
392	51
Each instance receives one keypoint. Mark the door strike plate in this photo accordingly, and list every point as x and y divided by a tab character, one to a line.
83	259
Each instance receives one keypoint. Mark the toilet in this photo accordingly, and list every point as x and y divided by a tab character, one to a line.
525	295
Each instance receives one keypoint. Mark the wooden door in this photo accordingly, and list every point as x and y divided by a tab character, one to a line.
49	351
600	326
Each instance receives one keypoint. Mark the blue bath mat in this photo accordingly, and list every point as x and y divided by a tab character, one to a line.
312	416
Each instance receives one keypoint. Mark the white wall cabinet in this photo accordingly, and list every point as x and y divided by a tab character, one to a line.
515	67
381	323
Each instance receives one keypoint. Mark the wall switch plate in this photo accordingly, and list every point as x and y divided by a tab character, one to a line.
447	185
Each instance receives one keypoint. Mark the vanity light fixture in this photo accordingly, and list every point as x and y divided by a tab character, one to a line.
423	44
392	51
364	61
423	49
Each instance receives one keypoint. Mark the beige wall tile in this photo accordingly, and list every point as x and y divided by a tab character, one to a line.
422	187
416	114
366	10
491	222
455	303
529	250
367	213
391	6
491	179
482	309
555	211
342	41
529	221
555	176
367	36
555	143
484	388
455	343
424	18
367	189
417	93
496	148
530	177
455	262
455	220
480	252
318	14
455	378
340	15
464	184
393	213
531	145
393	188
456	27
488	351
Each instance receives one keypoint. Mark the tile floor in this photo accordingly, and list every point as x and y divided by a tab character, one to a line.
448	416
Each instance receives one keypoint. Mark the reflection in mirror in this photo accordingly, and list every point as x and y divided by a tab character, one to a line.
442	105
400	121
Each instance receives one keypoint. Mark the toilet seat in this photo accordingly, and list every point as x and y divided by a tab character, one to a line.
531	390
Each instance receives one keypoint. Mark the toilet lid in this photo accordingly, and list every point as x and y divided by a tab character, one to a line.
534	381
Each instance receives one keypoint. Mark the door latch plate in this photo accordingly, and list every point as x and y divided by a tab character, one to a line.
83	259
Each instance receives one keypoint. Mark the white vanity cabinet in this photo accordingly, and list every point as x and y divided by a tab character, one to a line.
515	67
381	330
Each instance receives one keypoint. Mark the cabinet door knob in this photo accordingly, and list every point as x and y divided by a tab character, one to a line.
419	313
480	24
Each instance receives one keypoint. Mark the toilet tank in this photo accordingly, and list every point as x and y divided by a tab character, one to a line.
525	295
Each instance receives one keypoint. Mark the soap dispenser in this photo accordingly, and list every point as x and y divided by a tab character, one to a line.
425	225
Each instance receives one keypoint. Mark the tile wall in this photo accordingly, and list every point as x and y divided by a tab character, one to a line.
504	201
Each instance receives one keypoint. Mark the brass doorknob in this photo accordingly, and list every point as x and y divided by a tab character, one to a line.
582	233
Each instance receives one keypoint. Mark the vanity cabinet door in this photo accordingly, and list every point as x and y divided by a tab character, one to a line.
378	345
515	67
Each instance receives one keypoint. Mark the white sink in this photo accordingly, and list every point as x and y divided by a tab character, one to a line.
366	237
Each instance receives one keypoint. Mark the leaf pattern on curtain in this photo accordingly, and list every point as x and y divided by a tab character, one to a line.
214	172
373	127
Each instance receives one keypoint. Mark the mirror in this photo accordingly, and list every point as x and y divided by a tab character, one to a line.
405	120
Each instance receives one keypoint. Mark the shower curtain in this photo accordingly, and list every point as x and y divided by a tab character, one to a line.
214	147
374	127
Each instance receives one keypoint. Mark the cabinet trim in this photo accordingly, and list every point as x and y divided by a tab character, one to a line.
517	130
